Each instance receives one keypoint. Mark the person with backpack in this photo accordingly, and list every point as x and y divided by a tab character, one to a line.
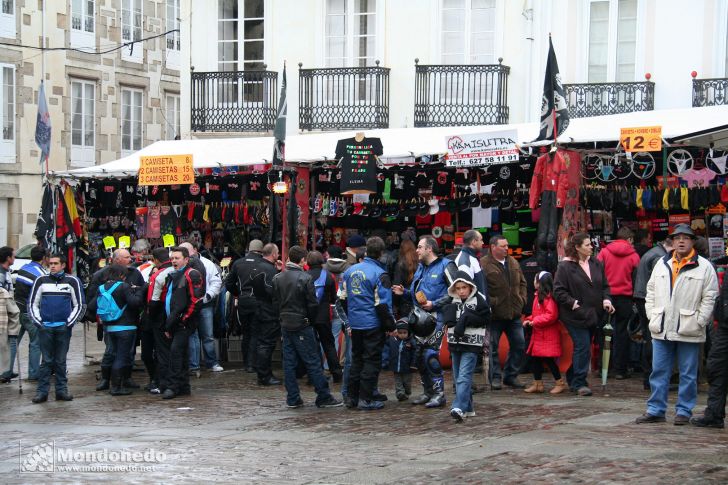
183	292
117	306
325	287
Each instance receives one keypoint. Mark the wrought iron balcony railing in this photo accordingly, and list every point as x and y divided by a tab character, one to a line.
709	92
599	99
343	98
234	100
461	95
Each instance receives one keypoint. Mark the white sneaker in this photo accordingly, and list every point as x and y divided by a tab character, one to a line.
216	368
469	414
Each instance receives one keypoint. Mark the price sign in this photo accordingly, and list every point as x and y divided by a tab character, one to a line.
641	139
109	242
124	242
168	240
166	170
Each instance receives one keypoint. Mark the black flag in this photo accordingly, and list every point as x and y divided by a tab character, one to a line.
554	109
279	150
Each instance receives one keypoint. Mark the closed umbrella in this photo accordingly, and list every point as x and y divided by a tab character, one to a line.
607	350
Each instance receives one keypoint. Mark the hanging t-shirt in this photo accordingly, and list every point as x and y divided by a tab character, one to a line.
700	177
358	164
177	194
258	187
233	187
442	184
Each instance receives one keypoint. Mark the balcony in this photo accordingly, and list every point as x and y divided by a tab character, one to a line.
599	99
343	98
709	92
234	100
461	95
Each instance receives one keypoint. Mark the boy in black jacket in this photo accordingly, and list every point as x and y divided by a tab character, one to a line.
402	359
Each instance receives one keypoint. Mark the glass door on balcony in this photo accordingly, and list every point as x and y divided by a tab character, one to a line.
612	40
350	41
240	48
467	37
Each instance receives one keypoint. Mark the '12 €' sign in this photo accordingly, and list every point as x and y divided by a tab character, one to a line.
641	139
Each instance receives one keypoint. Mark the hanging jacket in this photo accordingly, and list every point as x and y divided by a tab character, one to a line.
550	173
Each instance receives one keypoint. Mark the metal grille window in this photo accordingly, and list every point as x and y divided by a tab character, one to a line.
131	120
612	40
82	15
173	39
172	116
350	38
468	32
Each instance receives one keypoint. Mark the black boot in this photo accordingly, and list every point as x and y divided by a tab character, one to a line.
117	383
128	381
104	382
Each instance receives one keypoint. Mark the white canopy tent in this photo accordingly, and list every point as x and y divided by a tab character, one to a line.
695	126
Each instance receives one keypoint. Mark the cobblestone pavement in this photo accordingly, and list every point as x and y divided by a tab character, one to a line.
231	430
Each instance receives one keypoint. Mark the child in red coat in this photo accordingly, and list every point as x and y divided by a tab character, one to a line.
545	343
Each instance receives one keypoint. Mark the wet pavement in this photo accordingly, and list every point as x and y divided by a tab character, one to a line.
232	430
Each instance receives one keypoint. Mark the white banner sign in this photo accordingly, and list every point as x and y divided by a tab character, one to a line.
474	150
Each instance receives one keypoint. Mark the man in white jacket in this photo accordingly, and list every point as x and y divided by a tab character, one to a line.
681	294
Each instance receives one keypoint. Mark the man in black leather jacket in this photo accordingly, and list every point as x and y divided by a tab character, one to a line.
294	295
239	282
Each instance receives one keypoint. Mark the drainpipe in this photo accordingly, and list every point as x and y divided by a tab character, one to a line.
528	15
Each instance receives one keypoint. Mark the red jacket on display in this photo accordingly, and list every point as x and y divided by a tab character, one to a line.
620	260
550	173
546	336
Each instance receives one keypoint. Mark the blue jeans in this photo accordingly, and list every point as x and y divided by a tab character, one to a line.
581	358
121	344
26	325
302	345
463	365
517	343
663	356
204	333
337	327
54	342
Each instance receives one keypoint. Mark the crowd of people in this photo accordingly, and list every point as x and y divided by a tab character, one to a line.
391	310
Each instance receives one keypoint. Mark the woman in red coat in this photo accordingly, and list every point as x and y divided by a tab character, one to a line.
545	343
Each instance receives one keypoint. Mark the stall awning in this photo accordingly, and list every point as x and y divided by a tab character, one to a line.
694	126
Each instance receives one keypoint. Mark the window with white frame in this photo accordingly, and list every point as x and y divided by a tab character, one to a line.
131	120
240	47
468	31
612	40
131	29
172	116
7	111
173	39
350	33
7	19
83	136
83	24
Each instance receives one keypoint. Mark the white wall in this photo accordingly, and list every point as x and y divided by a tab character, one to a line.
675	37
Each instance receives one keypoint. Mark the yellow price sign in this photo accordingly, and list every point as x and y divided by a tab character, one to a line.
124	242
168	240
109	242
641	139
166	170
